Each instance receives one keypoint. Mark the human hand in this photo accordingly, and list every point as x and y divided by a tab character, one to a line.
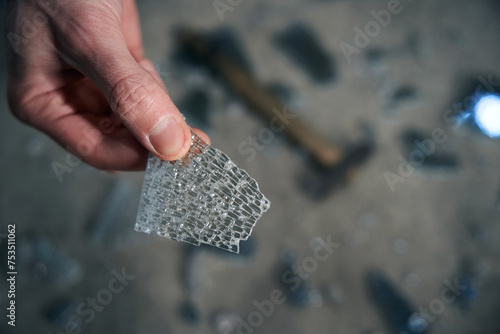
77	72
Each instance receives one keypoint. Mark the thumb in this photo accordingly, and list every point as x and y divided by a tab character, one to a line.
134	94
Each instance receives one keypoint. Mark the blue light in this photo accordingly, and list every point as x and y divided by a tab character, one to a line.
487	115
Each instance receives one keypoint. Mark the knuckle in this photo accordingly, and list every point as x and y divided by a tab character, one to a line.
19	107
132	99
28	105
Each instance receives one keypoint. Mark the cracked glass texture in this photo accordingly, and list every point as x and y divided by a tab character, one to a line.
201	198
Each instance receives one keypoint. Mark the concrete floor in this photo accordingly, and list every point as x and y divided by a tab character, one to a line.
430	229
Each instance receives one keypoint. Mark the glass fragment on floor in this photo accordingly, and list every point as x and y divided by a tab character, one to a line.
201	198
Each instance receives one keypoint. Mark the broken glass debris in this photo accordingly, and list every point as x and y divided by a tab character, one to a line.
201	198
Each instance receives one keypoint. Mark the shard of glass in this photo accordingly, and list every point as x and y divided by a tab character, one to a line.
201	198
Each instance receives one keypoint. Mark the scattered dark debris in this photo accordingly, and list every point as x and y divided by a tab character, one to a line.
296	286
226	41
61	312
469	291
400	99
301	45
465	286
420	147
404	94
375	56
411	136
223	40
398	311
444	164
189	313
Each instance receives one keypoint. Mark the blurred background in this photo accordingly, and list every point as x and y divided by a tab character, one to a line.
400	234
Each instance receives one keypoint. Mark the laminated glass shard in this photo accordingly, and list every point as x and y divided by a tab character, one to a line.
202	198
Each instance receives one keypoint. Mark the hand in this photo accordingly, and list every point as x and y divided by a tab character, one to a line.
77	72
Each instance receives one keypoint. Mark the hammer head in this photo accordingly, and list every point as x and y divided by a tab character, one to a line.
323	180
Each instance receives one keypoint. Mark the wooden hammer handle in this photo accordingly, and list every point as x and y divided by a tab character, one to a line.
265	102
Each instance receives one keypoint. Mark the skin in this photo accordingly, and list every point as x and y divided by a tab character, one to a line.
77	71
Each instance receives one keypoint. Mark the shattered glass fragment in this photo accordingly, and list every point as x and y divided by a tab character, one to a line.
201	198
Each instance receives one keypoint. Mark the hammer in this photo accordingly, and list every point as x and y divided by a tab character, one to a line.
334	163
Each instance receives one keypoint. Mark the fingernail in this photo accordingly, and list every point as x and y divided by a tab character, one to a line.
167	138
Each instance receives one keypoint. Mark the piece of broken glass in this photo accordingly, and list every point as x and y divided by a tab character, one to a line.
201	198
